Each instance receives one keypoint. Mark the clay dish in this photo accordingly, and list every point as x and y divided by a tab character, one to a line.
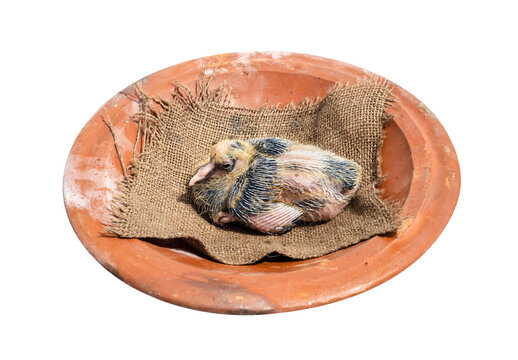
418	160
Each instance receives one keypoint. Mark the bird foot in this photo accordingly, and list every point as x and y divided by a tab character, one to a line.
224	217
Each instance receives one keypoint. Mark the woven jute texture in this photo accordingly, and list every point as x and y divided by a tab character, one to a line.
177	133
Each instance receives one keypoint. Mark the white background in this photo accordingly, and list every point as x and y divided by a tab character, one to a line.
61	61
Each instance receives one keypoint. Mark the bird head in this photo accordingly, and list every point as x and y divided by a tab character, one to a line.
227	157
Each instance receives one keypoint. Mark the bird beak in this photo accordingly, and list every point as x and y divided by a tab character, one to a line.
203	173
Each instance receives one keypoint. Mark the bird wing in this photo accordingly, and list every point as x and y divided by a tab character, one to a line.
254	199
278	219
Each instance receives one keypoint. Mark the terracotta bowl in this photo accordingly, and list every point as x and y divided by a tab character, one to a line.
418	160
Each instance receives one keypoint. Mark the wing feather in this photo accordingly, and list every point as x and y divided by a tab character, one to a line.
278	219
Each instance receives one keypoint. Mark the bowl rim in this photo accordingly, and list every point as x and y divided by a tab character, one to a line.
190	281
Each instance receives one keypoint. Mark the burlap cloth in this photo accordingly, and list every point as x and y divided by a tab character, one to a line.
177	134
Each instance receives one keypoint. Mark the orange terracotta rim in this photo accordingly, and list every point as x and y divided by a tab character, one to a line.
418	159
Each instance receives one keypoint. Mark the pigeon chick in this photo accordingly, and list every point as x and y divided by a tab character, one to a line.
270	184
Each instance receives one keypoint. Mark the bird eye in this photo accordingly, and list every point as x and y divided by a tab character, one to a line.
227	166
